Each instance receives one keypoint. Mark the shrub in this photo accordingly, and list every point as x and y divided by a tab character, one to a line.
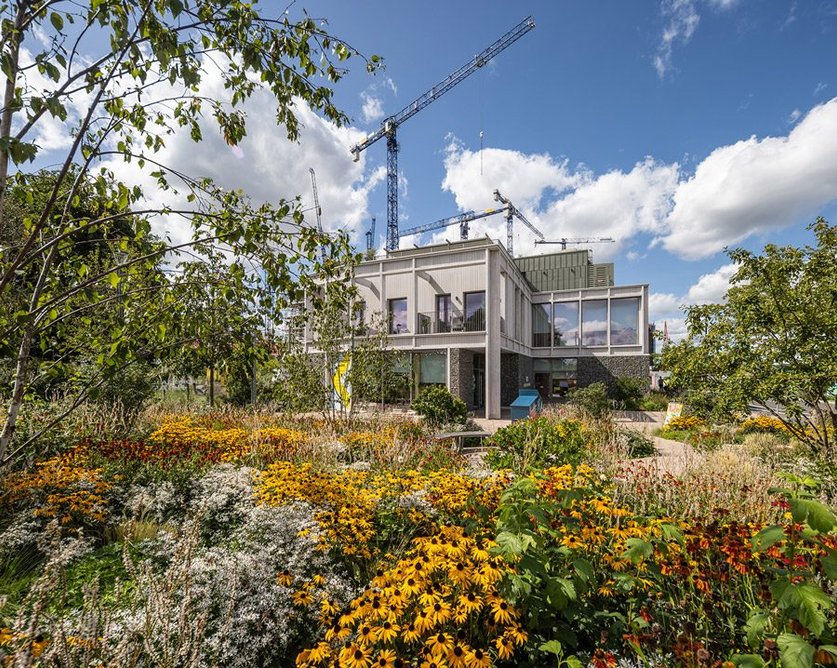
592	399
630	391
537	443
637	444
437	405
684	423
764	424
654	401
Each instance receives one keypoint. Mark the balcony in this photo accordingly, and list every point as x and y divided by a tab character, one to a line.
431	323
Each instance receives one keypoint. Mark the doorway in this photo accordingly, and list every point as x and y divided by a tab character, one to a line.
543	382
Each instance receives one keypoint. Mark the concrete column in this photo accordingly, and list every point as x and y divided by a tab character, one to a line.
492	335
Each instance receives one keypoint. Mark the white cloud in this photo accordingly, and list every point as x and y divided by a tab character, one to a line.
756	185
711	288
666	307
820	87
266	165
373	108
683	20
793	116
750	187
615	204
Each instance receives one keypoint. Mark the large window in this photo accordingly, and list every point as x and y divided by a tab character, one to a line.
624	321
594	322
564	376
474	311
565	323
432	369
541	330
398	316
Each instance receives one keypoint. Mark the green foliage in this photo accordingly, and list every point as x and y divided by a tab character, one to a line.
654	401
438	406
801	622
770	343
79	268
537	442
593	399
638	444
629	392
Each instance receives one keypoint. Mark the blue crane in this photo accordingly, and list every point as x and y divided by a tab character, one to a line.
390	125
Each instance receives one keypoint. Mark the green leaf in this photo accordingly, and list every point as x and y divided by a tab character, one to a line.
829	565
584	569
747	660
573	662
755	627
552	647
57	21
638	549
768	537
805	603
817	515
795	651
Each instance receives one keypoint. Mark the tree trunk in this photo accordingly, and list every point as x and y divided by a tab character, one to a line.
8	103
211	385
10	423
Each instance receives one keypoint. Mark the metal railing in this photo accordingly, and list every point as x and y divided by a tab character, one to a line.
432	323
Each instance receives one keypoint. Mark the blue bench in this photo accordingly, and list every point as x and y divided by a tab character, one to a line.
527	403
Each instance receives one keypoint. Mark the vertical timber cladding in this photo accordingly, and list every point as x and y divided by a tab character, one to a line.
608	369
462	375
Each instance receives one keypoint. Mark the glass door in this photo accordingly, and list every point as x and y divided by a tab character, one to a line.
443	313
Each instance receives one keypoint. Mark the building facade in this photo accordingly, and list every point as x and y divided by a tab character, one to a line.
485	324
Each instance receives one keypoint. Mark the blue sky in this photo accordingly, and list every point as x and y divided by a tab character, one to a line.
599	88
676	127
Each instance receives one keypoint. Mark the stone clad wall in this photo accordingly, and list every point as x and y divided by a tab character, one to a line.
462	375
514	371
608	369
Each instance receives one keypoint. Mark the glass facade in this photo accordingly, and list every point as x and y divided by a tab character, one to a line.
541	331
594	322
624	321
555	377
397	309
565	323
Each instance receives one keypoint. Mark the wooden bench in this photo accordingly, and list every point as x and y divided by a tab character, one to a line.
460	436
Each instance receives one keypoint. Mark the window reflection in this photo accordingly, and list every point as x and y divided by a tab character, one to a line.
565	323
624	321
594	322
398	316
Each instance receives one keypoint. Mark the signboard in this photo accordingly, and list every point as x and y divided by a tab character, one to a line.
674	411
342	399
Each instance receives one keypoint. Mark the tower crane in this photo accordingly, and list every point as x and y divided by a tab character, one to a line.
317	208
462	219
564	241
370	236
390	125
513	212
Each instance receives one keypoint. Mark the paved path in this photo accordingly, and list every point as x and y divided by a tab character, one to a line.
672	456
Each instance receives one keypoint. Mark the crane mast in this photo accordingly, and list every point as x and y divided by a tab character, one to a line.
513	212
390	125
317	208
370	236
